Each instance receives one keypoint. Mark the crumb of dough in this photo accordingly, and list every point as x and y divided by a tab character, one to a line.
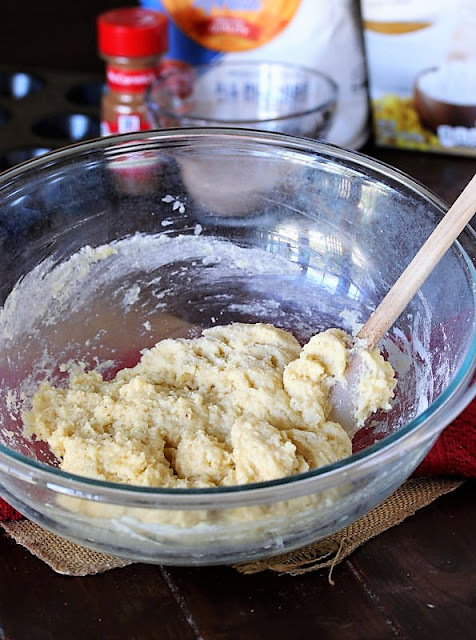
241	403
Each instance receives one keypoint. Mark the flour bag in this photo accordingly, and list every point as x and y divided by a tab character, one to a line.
321	34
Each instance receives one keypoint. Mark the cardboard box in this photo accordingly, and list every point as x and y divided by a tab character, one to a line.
421	61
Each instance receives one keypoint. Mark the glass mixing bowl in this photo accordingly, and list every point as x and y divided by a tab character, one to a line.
270	96
210	226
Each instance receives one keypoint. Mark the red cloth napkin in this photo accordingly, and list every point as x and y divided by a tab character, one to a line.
453	454
7	512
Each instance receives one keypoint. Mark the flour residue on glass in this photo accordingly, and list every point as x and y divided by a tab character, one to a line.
102	306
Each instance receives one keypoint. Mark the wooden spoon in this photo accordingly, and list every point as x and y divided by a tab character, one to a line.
397	298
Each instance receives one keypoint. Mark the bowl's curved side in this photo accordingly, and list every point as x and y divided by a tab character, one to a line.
220	225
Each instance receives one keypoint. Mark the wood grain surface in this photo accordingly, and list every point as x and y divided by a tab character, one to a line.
415	581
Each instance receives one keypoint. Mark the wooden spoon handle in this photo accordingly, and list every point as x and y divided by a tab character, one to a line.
435	247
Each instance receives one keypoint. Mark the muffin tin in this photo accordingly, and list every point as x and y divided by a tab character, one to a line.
44	110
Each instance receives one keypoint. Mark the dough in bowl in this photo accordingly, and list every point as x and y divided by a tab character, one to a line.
241	403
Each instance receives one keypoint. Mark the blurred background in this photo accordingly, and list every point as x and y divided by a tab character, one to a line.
405	43
53	34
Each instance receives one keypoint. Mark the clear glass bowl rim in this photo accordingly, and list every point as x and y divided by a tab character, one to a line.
462	387
196	120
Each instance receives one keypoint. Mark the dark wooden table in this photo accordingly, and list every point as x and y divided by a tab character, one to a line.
417	581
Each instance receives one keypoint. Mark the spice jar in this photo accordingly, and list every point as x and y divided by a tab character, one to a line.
131	42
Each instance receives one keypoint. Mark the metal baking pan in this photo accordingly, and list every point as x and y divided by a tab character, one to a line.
42	110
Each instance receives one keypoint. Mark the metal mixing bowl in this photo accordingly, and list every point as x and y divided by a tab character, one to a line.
213	226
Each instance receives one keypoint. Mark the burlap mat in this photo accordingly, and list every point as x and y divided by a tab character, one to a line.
71	559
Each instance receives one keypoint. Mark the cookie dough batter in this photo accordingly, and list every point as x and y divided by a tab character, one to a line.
242	403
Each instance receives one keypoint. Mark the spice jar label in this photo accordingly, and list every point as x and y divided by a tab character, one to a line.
130	80
125	123
131	41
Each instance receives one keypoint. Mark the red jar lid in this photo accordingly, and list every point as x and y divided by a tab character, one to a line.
132	32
